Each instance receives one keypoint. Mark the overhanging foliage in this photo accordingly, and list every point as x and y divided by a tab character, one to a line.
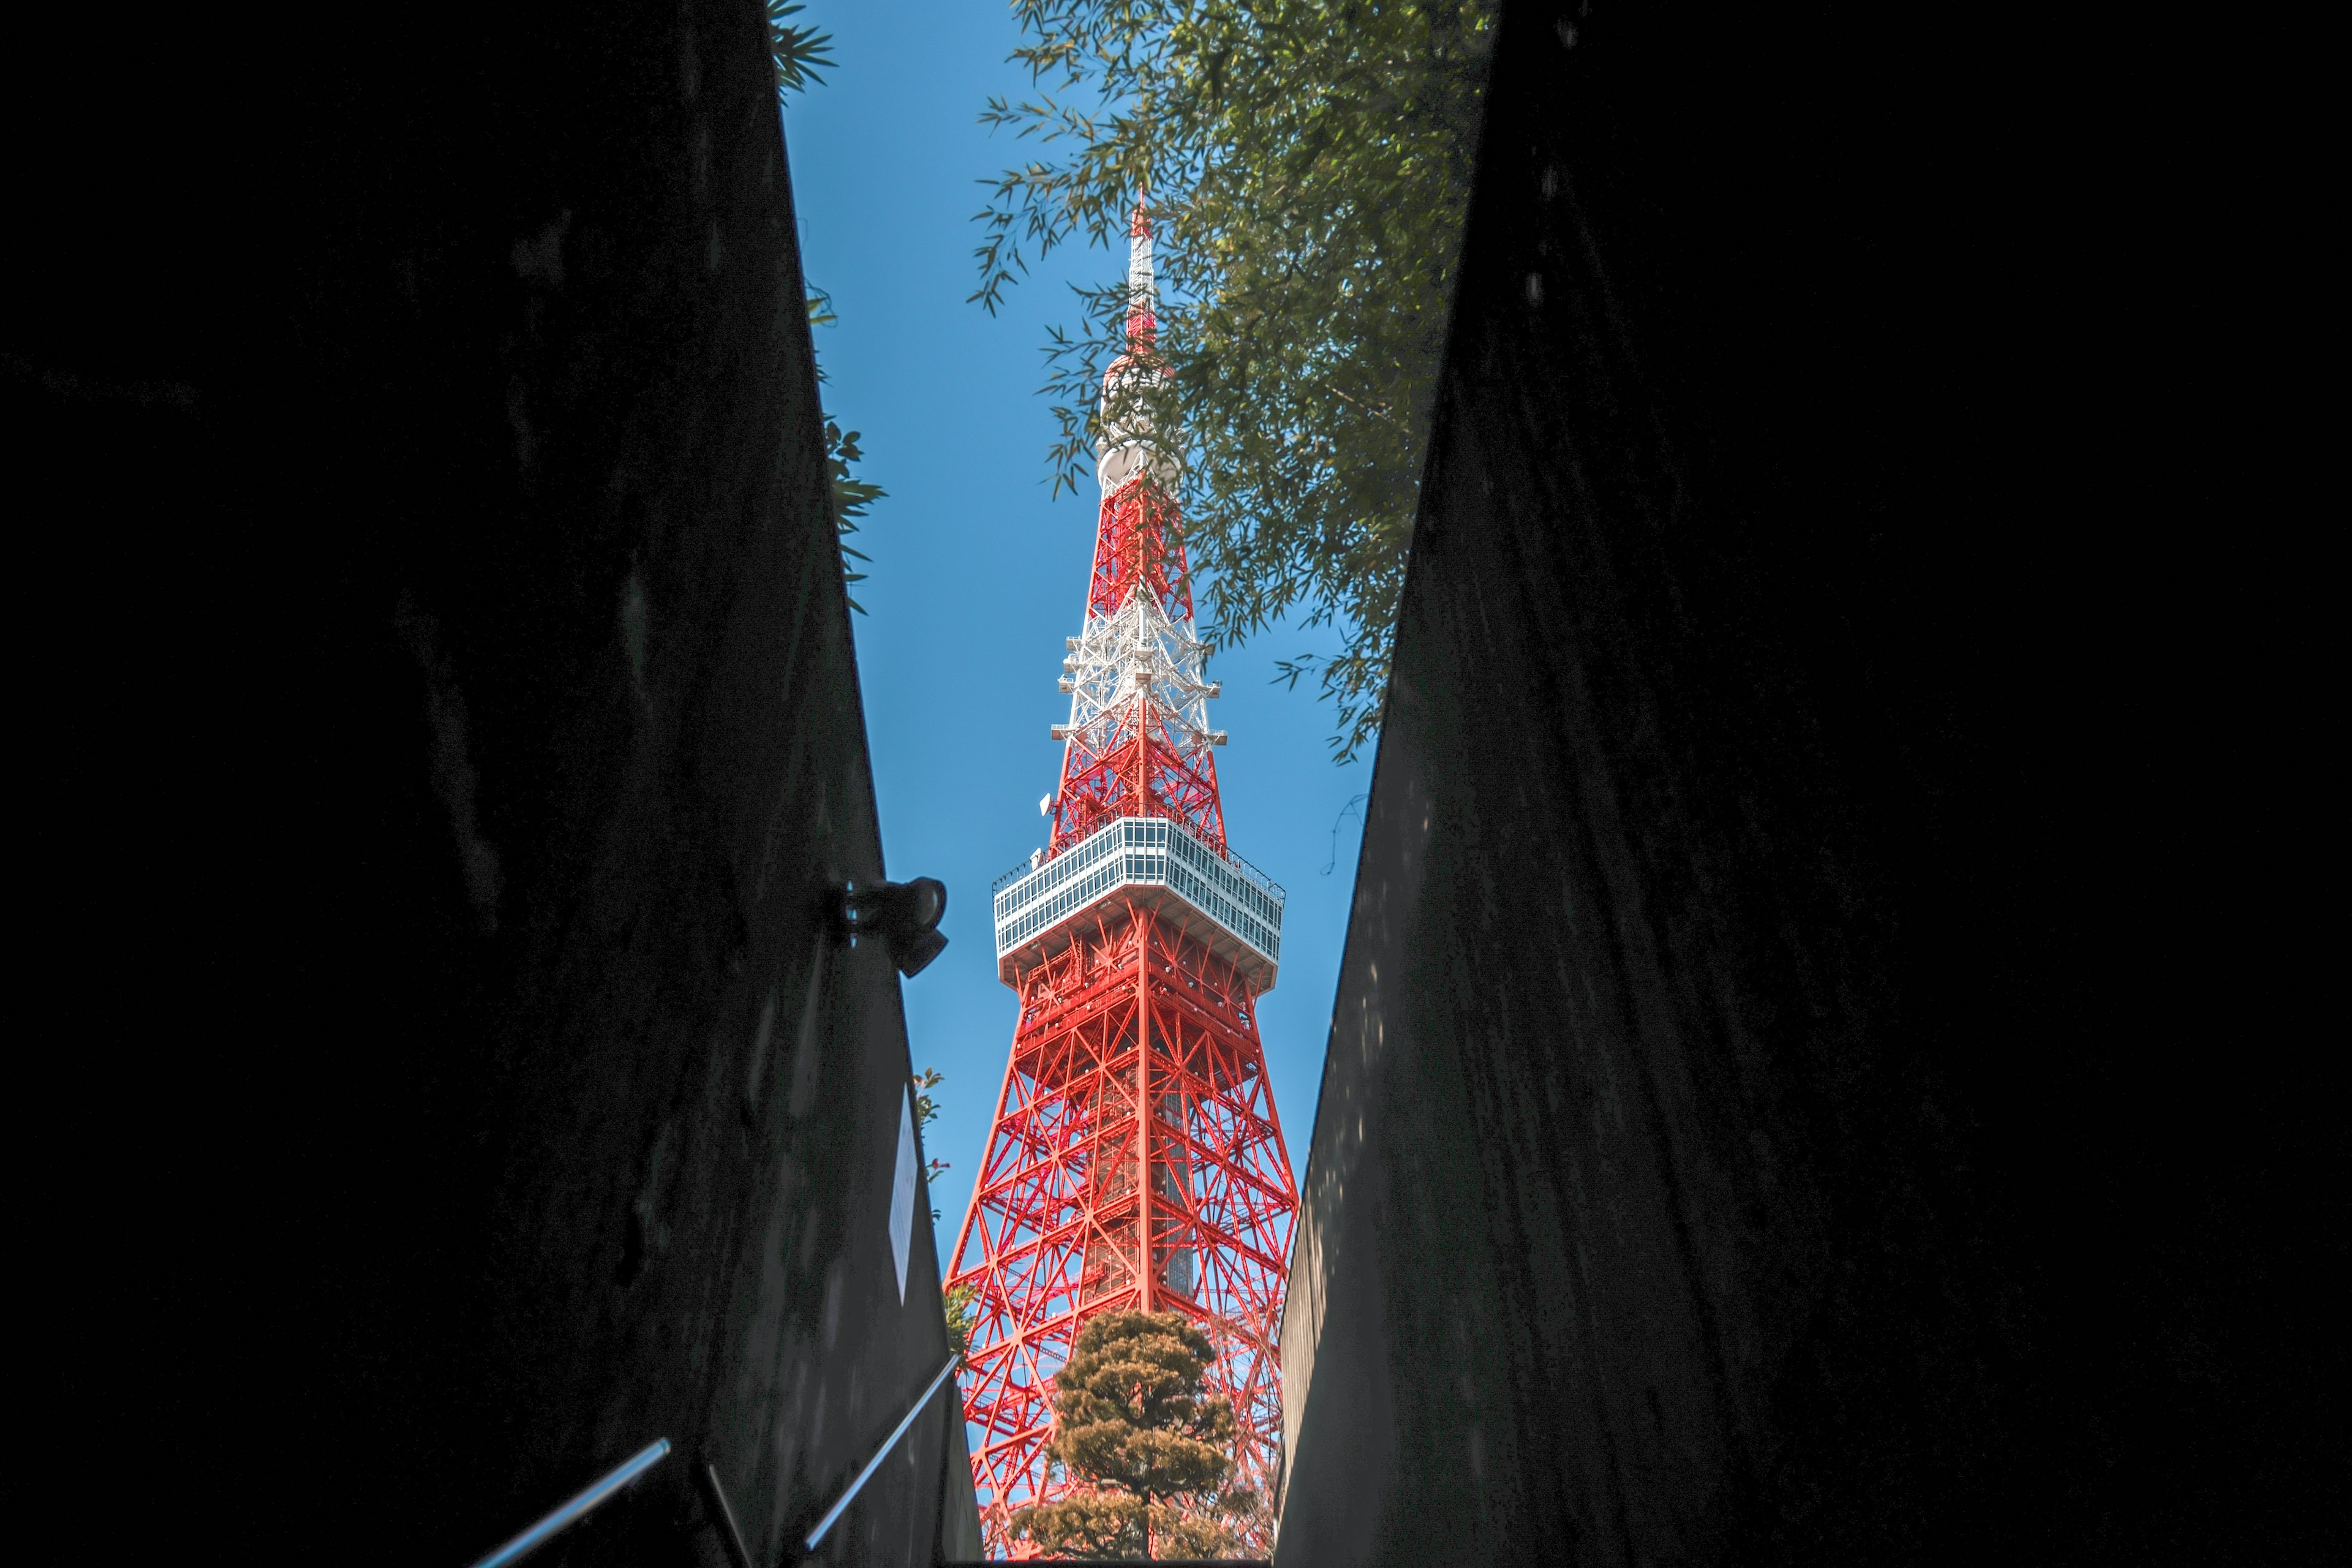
1308	164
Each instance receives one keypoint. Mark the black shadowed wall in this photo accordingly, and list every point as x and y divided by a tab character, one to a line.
1794	1096
467	633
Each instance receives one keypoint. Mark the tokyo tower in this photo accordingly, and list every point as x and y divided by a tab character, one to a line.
1135	1162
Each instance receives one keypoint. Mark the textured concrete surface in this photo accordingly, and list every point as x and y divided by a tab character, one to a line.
1769	1116
485	1094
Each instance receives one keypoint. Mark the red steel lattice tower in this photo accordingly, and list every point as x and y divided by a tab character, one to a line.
1135	1162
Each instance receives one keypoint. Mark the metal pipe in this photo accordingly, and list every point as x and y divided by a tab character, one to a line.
874	1464
729	1532
645	1459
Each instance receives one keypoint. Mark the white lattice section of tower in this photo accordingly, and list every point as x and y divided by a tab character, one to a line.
1138	651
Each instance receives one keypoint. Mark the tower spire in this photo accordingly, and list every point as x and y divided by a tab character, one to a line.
1142	286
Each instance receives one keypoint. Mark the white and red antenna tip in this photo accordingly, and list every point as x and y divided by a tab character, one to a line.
1142	286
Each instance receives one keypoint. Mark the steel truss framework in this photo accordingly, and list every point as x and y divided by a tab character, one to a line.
1052	1235
1136	1160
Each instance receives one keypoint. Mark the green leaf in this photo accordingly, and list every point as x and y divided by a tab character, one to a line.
802	54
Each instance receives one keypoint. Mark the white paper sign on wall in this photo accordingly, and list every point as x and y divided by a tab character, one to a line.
902	1195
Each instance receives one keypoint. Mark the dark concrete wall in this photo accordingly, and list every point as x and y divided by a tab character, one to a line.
1778	1107
454	691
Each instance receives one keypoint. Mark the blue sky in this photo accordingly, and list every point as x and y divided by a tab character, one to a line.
977	576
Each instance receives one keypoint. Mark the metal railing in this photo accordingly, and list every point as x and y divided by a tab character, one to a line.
1150	851
605	1487
841	1506
573	1511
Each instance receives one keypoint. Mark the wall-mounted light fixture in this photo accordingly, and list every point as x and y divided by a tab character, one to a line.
906	915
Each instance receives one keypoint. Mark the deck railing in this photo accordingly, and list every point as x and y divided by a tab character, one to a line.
1150	851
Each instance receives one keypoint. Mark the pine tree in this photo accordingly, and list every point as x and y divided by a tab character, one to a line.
1131	1422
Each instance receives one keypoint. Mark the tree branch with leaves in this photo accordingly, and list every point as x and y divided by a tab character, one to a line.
1307	165
802	54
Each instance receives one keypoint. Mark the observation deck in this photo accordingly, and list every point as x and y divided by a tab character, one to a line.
1229	904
